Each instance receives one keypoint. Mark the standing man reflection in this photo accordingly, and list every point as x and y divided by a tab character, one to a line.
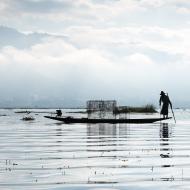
164	141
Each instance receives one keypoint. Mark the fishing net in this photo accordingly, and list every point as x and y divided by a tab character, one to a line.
101	108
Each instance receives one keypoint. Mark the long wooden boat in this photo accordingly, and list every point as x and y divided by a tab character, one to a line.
88	120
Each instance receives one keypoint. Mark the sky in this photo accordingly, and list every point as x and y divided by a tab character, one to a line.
61	53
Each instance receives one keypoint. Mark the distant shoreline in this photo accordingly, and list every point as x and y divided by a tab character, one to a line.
27	108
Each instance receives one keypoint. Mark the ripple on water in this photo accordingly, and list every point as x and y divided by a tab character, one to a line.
47	155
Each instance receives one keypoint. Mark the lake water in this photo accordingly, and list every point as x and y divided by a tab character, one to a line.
45	154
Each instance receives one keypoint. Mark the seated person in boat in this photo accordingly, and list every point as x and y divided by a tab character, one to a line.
59	113
165	101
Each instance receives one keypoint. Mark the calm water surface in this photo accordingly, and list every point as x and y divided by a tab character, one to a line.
45	154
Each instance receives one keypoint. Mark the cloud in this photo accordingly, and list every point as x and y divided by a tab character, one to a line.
112	49
56	15
58	71
12	37
112	6
155	41
36	6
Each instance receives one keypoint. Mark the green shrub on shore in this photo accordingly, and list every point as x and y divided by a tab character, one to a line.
149	108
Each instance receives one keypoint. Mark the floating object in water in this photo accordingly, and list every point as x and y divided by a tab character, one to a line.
3	115
87	120
28	118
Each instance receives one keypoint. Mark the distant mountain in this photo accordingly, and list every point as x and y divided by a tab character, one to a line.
12	37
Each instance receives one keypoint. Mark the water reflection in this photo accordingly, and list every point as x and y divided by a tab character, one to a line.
105	136
101	130
165	134
104	130
59	132
46	155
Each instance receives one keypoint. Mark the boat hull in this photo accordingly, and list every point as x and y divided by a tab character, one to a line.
113	121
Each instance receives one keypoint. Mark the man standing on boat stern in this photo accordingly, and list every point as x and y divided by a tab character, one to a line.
165	101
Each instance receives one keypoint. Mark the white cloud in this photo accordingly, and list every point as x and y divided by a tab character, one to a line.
83	73
113	48
183	10
132	39
39	14
139	58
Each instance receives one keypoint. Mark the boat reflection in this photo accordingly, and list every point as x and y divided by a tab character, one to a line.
102	130
105	130
105	136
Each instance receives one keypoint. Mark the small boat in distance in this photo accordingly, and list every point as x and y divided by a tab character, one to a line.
103	120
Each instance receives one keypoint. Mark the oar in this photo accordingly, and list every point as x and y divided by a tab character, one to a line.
173	113
172	110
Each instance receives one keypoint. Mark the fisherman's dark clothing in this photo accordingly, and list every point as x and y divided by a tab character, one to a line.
166	101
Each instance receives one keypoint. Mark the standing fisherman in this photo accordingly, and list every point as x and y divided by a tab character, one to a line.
164	99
